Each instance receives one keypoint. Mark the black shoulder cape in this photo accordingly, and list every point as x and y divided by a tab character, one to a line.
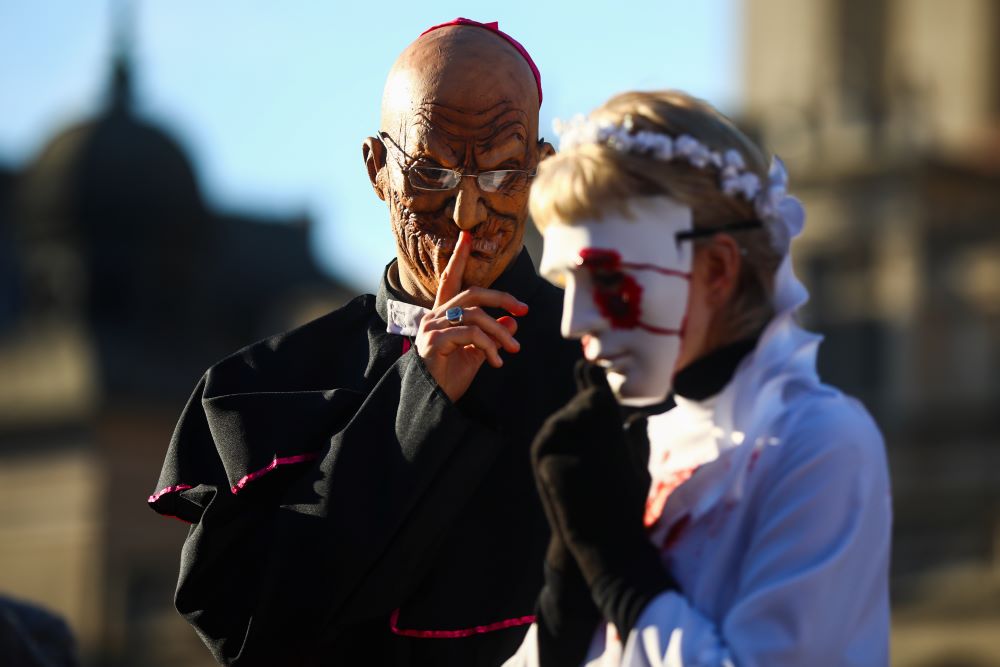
344	511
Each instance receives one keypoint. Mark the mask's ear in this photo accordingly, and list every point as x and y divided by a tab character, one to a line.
373	152
545	150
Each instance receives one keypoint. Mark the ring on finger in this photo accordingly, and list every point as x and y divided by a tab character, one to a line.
454	315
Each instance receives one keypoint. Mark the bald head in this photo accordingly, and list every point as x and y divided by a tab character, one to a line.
465	68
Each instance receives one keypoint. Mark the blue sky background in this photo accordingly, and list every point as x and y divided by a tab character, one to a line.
272	100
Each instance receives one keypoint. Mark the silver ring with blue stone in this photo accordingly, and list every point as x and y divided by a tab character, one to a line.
454	315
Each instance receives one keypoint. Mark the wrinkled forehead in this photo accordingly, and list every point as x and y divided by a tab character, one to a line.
647	236
462	81
433	122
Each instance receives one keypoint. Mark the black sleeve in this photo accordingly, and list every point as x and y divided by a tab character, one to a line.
271	574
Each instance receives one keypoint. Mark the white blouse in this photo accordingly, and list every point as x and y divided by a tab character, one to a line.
770	504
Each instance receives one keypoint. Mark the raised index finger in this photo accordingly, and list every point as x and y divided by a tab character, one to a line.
451	278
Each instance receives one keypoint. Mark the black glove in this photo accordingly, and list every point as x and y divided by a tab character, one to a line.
595	496
566	615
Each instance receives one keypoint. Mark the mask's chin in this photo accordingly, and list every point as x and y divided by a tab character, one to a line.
628	393
479	271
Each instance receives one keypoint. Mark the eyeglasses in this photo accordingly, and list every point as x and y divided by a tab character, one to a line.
439	179
703	232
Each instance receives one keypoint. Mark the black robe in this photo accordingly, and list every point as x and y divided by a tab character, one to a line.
373	521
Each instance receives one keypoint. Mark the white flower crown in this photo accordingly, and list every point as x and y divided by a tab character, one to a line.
771	201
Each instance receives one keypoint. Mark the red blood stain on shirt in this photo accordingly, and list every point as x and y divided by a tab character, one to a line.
675	532
661	491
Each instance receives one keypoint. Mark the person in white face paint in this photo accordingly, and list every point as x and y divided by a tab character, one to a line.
748	524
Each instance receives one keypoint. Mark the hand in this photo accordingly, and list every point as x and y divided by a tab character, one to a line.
595	500
566	614
582	465
454	353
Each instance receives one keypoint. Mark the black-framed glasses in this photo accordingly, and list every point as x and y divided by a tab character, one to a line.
439	179
704	232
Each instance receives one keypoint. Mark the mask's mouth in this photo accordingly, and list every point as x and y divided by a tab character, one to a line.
427	240
595	352
609	360
486	247
488	238
445	243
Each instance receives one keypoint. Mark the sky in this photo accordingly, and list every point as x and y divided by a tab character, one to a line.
272	100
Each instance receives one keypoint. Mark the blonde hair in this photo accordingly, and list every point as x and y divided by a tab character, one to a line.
593	180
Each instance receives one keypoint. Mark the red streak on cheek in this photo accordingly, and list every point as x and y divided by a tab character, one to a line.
617	295
620	305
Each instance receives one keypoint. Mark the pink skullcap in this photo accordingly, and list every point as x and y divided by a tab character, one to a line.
495	27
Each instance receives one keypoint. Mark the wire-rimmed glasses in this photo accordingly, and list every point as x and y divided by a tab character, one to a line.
439	179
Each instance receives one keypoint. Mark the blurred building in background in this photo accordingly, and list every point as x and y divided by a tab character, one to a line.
888	115
119	285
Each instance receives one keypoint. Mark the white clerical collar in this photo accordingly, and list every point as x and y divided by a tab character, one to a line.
403	318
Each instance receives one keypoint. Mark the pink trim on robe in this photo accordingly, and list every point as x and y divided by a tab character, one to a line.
406	344
170	489
457	634
257	474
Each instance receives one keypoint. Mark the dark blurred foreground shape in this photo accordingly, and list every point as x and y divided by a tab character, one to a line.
118	287
33	637
888	114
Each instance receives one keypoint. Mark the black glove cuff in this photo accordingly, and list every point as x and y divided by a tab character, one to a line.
623	591
566	619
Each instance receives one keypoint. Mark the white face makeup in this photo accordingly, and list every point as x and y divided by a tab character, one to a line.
627	283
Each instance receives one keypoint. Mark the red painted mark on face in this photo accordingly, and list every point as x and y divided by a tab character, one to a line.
618	296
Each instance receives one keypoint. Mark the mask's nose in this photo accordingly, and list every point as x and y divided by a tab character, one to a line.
468	209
